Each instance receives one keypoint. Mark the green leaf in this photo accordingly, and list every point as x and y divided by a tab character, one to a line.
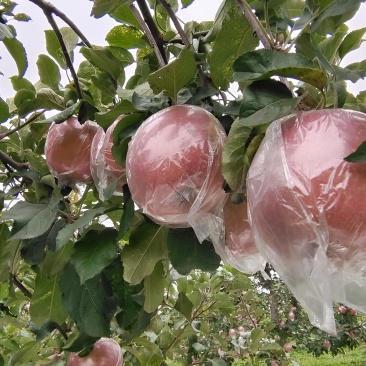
46	302
154	288
128	213
235	162
184	306
48	71
64	115
330	45
104	60
217	362
351	42
228	46
105	119
53	46
17	50
147	246
186	3
103	7
90	304
48	99
95	251
4	111
126	36
6	252
31	220
262	64
358	156
124	14
66	234
28	352
173	77
260	94
187	253
5	32
22	83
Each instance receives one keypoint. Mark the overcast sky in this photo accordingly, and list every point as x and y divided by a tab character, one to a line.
32	34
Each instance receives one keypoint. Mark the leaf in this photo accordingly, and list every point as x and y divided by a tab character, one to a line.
105	119
89	304
351	42
28	352
174	76
217	362
260	94
262	64
46	302
358	156
154	288
228	46
95	251
147	246
53	46
104	60
187	253
64	235
7	252
4	111
186	3
48	99
103	7
31	220
22	83
234	163
126	36
184	306
17	50
128	213
48	71
5	32
124	14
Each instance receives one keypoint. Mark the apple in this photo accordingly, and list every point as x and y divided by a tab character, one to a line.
291	316
326	344
67	150
106	352
342	309
173	165
352	311
287	347
307	208
283	324
108	175
232	333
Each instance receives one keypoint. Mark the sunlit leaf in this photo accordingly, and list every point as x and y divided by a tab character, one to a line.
103	7
48	71
126	36
17	50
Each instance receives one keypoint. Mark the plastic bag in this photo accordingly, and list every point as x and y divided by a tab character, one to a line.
307	209
173	169
236	245
67	151
108	176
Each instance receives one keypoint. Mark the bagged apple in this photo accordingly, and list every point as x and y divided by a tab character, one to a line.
173	168
307	208
67	150
108	175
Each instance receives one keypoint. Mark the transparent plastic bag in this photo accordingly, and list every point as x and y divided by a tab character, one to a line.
67	151
173	169
108	176
307	209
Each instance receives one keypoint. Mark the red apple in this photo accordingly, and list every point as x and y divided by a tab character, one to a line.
106	352
232	333
291	316
352	311
342	309
108	176
173	165
287	347
308	208
67	150
326	344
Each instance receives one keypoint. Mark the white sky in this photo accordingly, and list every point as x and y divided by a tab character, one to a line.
31	34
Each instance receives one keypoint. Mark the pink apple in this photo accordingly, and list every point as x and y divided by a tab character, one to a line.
173	165
287	347
342	309
232	333
291	316
108	175
352	311
326	344
106	352
67	150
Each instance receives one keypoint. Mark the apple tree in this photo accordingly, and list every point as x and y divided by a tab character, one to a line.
79	259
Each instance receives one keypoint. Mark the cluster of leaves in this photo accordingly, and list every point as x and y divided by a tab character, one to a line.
90	268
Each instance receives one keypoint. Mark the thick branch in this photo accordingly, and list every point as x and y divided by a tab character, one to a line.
256	24
155	32
160	56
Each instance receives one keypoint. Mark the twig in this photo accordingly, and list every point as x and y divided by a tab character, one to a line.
51	9
256	24
10	132
61	330
154	30
160	56
21	287
6	159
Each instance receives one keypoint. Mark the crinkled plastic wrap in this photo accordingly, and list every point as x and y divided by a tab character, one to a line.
236	245
307	208
108	176
67	150
173	168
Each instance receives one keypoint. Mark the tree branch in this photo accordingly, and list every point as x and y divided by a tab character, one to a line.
21	287
160	56
154	30
7	160
256	24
